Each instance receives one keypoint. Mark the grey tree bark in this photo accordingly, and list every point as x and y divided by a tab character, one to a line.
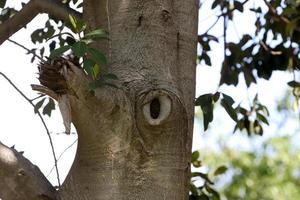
134	141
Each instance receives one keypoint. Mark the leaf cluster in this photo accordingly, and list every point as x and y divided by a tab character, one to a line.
206	190
47	108
273	47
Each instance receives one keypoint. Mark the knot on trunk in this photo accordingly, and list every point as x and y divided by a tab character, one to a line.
52	74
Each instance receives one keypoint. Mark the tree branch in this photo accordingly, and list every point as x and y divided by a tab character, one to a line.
20	179
25	48
277	16
30	10
43	122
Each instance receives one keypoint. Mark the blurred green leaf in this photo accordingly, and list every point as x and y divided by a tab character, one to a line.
220	170
239	6
203	176
73	21
257	128
227	105
214	193
79	49
88	66
38	105
206	103
49	107
262	118
229	100
59	51
110	76
215	4
98	57
2	3
97	34
195	156
294	84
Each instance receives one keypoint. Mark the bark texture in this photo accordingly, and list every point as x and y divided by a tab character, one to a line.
134	141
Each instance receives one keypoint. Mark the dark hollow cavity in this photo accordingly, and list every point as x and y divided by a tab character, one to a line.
155	108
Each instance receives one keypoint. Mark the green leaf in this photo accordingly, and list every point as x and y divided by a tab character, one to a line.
239	125
228	99
98	33
59	51
262	118
98	57
215	4
194	189
92	86
2	3
73	21
257	10
216	96
204	100
38	105
49	107
61	34
96	70
242	110
195	156
203	176
81	26
79	49
109	84
206	103
220	170
206	59
213	192
294	84
88	66
289	30
263	108
197	163
91	68
203	197
110	76
227	105
258	128
238	5
37	36
79	5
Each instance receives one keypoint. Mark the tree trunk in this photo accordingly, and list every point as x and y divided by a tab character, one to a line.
134	141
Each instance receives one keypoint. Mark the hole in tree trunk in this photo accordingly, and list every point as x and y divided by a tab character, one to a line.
155	108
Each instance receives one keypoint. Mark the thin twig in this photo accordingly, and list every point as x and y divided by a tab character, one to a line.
42	120
218	17
108	25
223	14
41	95
64	151
28	50
225	35
283	19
